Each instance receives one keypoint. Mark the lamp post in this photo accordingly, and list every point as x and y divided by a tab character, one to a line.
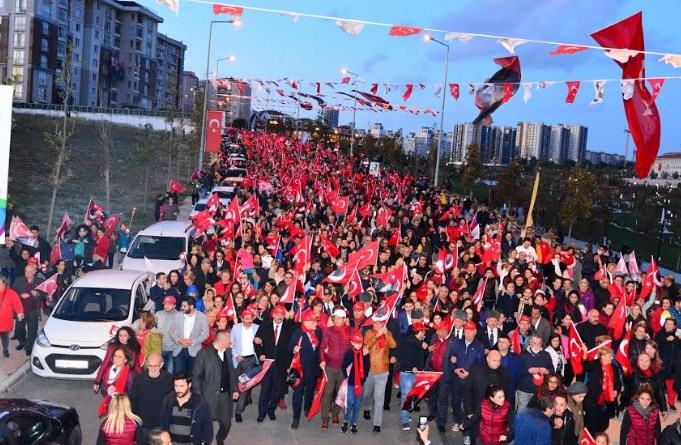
354	110
442	109
230	58
202	148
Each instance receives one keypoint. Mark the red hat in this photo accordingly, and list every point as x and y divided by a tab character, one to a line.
357	337
525	318
32	260
470	326
309	315
419	326
169	299
358	306
443	325
252	307
279	310
247	311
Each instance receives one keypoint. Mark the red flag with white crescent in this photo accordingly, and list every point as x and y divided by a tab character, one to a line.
319	392
49	286
573	88
386	309
587	439
355	286
425	380
575	352
246	381
593	352
403	31
340	204
329	246
236	11
213	131
366	256
111	223
622	355
477	297
618	318
650	281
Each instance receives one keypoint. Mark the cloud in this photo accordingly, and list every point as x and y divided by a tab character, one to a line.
372	61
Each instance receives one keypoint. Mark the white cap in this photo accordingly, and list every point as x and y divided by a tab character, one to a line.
339	313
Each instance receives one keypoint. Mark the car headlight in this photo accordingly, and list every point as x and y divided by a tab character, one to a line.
42	340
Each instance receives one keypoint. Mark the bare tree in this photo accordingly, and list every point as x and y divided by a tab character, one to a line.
104	129
58	140
146	146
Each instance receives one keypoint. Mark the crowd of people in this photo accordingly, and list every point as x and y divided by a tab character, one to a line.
350	286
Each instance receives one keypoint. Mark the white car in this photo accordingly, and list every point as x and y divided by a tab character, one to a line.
224	192
161	247
73	342
202	204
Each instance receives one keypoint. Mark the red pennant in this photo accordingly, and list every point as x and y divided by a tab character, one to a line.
281	93
573	87
656	85
622	355
402	31
236	11
454	90
508	92
568	49
345	80
374	88
575	352
407	93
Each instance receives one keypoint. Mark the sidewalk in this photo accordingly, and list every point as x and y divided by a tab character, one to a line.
12	369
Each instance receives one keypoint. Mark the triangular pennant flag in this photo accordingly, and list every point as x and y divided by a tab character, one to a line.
656	85
673	59
527	92
573	87
350	27
510	44
437	89
454	90
599	89
408	91
621	55
508	92
544	84
236	11
627	89
460	36
402	31
568	49
374	88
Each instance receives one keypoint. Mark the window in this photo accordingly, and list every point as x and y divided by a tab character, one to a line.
93	91
43	61
76	42
20	5
148	50
76	57
96	49
114	95
46	28
62	14
95	63
108	13
77	12
138	46
27	428
42	77
98	5
107	41
44	45
61	48
117	42
41	94
19	39
97	35
132	44
117	28
62	32
18	56
46	10
75	71
18	91
77	27
19	22
98	20
94	77
107	26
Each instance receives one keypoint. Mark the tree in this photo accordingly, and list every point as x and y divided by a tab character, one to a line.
472	169
104	129
58	140
577	196
146	146
509	190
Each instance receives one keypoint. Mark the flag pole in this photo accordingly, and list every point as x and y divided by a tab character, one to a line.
132	217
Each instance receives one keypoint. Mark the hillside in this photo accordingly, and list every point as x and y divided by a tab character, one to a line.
31	163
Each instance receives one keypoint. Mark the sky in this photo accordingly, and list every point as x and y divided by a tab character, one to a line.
270	46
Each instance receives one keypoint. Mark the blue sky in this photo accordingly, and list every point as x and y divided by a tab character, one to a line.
269	46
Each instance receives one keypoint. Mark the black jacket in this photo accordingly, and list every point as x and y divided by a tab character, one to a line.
411	354
565	435
481	376
280	354
146	396
202	423
207	380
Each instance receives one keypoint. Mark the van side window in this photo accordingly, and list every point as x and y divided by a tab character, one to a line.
140	301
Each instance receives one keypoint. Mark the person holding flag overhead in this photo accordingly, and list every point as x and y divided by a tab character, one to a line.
305	342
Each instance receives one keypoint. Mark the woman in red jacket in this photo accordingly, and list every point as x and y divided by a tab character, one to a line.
9	305
641	422
495	417
125	337
121	426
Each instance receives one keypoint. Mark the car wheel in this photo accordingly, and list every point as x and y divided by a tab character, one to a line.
76	436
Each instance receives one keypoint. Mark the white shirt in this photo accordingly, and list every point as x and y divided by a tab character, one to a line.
247	336
221	353
277	334
495	334
189	321
113	374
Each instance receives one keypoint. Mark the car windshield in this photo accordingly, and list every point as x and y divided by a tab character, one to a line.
226	195
157	247
236	173
93	304
199	206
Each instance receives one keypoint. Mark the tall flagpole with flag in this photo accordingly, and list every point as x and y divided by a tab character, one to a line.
528	221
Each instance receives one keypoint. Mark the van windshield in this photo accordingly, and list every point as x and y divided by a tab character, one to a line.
157	247
93	304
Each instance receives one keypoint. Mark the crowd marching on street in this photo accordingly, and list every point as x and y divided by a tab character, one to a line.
345	294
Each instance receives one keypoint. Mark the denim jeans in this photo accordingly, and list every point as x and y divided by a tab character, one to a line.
168	362
407	380
183	361
352	406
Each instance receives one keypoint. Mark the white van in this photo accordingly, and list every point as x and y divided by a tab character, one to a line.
75	337
159	248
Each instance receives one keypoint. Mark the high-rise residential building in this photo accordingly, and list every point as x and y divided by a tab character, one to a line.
190	86
532	139
558	144
576	146
497	144
462	136
331	117
597	157
233	97
377	130
116	57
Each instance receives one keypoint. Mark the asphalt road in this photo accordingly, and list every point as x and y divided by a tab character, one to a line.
79	394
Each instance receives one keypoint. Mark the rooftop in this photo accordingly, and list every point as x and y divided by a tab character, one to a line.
673	155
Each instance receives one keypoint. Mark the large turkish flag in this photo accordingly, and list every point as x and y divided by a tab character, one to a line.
213	131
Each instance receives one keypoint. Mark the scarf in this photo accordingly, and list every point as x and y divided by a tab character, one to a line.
556	268
311	335
646	372
644	412
121	380
381	342
358	363
608	384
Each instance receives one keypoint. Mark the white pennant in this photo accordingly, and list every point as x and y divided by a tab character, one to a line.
599	90
544	84
673	59
458	36
350	27
293	15
527	92
472	88
174	5
621	55
510	44
438	89
627	89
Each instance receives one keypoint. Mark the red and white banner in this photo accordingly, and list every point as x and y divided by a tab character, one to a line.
214	131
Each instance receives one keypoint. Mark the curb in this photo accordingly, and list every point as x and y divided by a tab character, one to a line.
15	377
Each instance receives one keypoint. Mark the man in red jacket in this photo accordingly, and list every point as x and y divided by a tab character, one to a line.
335	342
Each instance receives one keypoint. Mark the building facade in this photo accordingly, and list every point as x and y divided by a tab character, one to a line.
533	140
190	86
331	117
667	164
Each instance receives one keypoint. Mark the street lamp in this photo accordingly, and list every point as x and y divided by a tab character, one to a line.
442	107
230	58
354	110
202	148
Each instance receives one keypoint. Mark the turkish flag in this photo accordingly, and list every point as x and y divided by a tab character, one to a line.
392	281
424	381
329	246
568	49
251	206
175	187
407	93
508	92
601	273
574	351
402	31
233	212
656	85
366	256
454	90
289	295
586	438
642	115
345	80
479	293
229	309
355	286
593	352
252	377
48	286
382	216
386	309
95	212
365	210
374	88
650	281
213	131
319	392
573	87
110	224
65	225
213	204
340	204
236	11
493	252
55	254
296	367
342	275
272	243
395	237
